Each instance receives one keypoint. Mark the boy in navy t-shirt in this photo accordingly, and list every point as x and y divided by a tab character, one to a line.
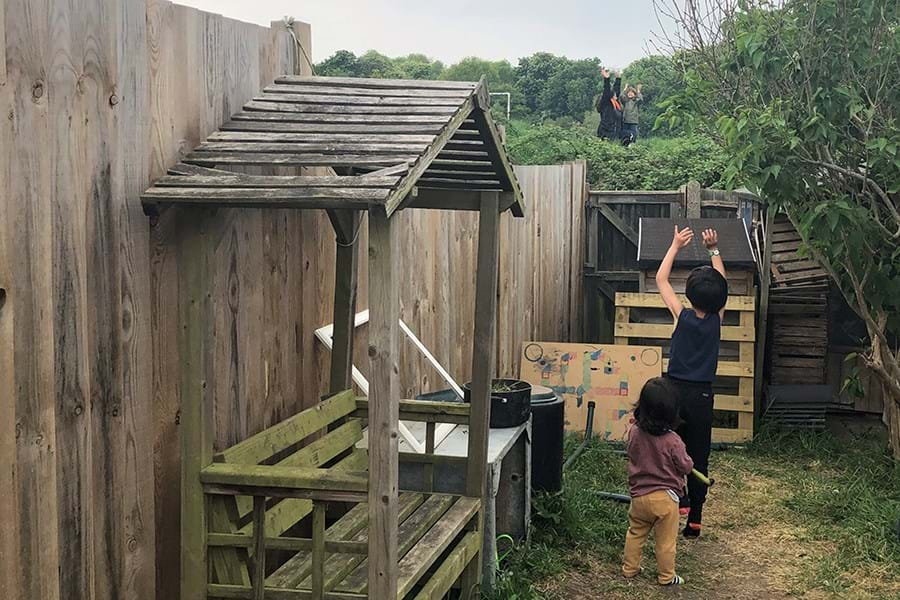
694	355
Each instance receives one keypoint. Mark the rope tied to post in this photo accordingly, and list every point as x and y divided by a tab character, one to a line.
298	48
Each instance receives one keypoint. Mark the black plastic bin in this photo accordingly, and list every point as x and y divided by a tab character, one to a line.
547	437
510	405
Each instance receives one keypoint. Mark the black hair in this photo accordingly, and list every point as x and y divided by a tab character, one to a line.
707	289
656	411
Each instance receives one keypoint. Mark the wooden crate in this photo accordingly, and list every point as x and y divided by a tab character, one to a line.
734	365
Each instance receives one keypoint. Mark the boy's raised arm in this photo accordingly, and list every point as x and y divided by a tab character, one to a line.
679	240
711	241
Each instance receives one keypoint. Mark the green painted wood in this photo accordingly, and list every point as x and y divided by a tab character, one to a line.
351	527
409	533
227	474
259	548
315	454
422	410
451	568
318	551
238	592
428	549
285	434
294	544
196	410
228	565
288	512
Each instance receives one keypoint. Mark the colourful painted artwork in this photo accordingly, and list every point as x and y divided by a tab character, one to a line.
609	375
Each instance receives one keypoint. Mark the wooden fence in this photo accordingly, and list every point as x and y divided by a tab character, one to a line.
99	98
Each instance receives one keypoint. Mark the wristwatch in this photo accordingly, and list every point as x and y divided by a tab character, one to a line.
713	252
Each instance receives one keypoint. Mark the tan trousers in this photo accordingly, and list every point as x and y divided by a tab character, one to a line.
657	511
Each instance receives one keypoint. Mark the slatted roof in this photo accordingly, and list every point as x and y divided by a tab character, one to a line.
390	143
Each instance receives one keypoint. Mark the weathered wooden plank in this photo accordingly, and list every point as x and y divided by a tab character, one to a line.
338	100
308	196
415	123
731	402
424	554
346	287
325	139
638	300
284	88
237	592
267	443
384	405
422	84
301	478
318	551
227	565
451	568
731	436
262	159
725	368
269	105
649	330
411	530
359	148
293	544
497	153
259	547
243	180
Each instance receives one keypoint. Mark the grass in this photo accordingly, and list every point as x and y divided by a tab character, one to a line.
792	515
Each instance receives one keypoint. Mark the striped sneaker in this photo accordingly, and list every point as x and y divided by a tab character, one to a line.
677	580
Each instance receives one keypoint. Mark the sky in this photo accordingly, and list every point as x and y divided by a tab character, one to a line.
615	31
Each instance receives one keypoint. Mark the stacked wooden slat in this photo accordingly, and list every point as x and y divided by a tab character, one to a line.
798	309
425	134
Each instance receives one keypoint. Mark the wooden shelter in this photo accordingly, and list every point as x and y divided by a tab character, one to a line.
391	145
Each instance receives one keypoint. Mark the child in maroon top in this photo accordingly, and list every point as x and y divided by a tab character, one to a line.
657	464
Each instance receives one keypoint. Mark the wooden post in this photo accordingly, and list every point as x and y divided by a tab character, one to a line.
765	281
259	547
318	551
384	405
345	293
692	200
196	414
482	362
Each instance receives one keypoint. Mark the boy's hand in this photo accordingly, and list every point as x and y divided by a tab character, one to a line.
682	238
710	238
640	86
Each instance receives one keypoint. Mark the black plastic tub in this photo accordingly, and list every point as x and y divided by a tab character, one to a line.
510	402
547	437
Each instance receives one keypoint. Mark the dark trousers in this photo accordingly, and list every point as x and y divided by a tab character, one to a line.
695	408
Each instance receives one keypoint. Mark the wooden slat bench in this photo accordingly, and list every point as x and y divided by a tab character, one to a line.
270	483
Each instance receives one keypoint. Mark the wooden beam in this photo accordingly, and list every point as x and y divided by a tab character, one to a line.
617	222
692	199
765	277
318	551
196	410
498	157
259	547
384	405
483	357
346	286
643	197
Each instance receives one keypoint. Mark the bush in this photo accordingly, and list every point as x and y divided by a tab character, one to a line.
652	164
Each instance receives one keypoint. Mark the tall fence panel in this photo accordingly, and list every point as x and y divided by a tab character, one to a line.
99	98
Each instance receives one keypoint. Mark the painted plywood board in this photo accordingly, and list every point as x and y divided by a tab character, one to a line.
612	376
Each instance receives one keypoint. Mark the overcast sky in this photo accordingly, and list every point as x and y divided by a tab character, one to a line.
615	31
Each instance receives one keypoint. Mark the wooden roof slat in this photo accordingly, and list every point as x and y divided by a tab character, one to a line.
461	165
424	84
407	92
339	119
295	160
362	148
307	138
243	180
330	100
268	196
268	104
333	128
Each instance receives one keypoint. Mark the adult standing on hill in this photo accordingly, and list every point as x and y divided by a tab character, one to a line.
630	111
609	107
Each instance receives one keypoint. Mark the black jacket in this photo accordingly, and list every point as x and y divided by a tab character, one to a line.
610	118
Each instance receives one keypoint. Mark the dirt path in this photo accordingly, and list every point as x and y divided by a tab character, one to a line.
748	551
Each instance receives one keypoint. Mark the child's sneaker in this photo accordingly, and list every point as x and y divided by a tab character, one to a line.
692	530
677	580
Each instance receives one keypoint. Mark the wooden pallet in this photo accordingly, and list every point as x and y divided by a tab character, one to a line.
629	330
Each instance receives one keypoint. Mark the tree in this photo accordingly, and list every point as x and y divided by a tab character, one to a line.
342	63
804	98
571	89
